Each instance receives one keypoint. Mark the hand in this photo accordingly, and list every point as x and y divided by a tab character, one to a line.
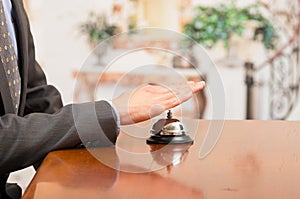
151	100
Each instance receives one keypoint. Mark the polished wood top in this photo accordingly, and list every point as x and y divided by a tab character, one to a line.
252	159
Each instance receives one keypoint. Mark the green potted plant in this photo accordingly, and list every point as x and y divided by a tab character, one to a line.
97	29
211	25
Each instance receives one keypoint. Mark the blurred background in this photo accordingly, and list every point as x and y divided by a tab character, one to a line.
252	44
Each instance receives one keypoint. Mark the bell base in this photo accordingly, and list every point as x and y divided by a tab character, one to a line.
169	139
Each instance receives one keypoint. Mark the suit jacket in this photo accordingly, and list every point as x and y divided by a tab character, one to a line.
42	123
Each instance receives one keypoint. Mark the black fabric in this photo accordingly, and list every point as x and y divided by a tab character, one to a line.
2	112
9	190
13	191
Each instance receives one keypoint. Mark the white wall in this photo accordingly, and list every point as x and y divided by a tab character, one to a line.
59	44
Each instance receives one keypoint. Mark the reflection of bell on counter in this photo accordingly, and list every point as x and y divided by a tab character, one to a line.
168	131
169	155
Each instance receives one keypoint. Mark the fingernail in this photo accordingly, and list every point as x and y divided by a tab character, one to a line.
202	83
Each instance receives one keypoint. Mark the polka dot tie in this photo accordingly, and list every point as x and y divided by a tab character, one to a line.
9	60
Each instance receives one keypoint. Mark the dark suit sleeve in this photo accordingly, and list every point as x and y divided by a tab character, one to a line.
40	97
25	140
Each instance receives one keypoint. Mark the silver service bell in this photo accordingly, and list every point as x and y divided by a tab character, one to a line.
168	131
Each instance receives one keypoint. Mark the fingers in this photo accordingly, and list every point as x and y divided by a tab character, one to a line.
150	100
197	86
166	88
175	92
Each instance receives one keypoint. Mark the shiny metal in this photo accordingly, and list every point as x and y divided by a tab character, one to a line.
174	128
168	131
